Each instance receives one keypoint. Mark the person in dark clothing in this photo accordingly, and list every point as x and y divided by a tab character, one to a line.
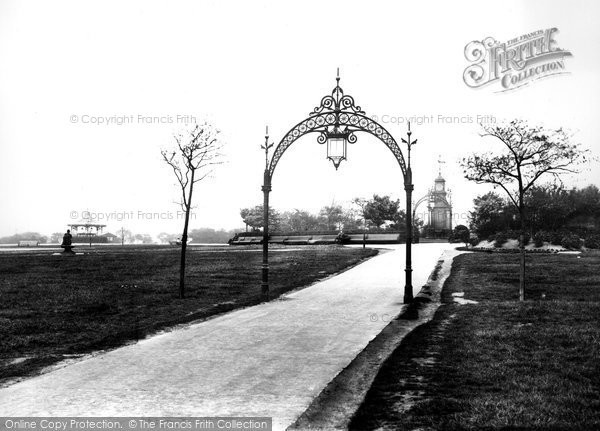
67	242
67	238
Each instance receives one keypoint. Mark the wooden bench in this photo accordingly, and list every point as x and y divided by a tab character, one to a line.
278	239
323	239
382	238
247	240
356	238
297	240
375	238
28	243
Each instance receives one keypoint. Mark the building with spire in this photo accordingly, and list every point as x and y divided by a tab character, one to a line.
440	208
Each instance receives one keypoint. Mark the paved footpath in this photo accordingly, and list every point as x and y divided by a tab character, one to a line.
272	359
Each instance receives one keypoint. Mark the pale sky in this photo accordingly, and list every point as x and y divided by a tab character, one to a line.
243	65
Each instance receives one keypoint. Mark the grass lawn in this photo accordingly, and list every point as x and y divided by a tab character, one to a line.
52	307
499	364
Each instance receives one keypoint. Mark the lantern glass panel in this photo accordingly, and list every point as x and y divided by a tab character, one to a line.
336	150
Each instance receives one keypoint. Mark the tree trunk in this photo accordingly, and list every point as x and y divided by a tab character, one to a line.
365	234
188	207
522	260
182	262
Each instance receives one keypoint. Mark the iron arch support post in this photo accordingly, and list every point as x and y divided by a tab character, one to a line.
266	188
408	186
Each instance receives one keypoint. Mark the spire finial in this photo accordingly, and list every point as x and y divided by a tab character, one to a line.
266	147
338	76
440	162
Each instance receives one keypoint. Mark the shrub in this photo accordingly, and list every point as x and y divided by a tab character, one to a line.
571	240
459	234
556	237
500	240
516	234
592	241
539	238
342	238
543	236
473	240
512	234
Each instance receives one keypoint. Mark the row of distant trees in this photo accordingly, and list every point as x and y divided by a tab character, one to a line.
380	212
24	236
200	235
548	207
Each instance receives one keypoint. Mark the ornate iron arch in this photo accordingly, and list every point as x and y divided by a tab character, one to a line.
337	111
338	115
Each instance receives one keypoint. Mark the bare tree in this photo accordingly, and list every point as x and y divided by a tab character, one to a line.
196	151
361	204
529	153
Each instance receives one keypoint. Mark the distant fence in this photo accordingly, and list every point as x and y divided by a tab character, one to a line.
85	239
322	237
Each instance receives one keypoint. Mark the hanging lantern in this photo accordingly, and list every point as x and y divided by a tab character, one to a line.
336	147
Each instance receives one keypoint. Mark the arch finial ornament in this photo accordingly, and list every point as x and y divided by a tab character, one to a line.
337	102
337	113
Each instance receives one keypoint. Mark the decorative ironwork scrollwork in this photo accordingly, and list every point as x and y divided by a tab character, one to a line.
337	101
322	138
352	138
337	112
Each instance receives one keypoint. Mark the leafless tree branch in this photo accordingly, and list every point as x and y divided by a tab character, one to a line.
196	151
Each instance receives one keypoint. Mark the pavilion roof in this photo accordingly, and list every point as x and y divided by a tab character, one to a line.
86	225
